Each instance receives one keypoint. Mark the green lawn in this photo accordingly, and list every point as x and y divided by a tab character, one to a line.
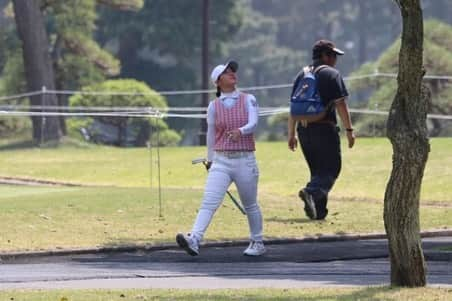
127	211
339	294
365	171
41	218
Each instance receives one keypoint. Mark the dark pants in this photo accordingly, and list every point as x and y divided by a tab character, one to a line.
320	144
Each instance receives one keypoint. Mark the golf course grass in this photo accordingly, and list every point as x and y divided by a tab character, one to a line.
118	203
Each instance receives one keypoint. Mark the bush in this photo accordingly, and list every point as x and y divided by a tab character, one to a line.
122	131
165	138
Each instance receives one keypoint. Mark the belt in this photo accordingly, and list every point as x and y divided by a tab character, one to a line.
234	154
323	122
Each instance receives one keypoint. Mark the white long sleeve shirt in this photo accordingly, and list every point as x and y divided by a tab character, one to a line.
229	100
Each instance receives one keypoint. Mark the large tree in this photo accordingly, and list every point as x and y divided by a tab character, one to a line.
359	26
264	62
437	61
363	27
76	58
407	131
161	45
38	66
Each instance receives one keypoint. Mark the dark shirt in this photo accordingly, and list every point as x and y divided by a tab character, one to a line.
331	87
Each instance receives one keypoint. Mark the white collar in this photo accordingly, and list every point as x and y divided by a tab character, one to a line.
233	94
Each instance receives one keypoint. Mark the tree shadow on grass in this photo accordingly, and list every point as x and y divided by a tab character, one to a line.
18	145
368	293
30	144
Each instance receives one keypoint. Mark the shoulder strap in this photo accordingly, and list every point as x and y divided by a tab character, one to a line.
318	68
302	71
300	75
309	69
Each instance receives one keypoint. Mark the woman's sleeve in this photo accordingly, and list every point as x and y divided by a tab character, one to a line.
210	131
253	116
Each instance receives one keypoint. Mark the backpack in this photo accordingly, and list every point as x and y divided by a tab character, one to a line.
305	101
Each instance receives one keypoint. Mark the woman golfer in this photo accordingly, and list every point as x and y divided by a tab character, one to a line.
231	122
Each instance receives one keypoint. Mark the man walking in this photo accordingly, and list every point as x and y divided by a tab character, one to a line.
319	139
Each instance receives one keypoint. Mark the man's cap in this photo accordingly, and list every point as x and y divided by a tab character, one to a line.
218	70
325	45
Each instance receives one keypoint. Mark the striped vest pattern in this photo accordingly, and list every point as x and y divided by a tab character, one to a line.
227	119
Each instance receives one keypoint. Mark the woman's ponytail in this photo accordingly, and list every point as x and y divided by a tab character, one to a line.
218	91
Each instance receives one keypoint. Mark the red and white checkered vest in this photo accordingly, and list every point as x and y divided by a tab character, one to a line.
227	119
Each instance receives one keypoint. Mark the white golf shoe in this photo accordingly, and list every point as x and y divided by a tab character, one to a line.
256	248
189	243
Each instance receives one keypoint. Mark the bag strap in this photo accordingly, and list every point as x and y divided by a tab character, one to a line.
303	71
318	68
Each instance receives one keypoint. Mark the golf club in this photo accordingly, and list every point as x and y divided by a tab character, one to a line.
233	199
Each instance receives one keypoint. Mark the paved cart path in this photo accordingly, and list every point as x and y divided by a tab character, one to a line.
301	264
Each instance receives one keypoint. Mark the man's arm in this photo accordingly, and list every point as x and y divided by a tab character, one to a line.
342	110
291	140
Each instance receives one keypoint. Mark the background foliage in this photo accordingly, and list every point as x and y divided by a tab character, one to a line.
158	42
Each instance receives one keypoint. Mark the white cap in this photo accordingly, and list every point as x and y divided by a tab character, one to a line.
218	70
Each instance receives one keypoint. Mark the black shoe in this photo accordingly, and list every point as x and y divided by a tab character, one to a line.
309	204
321	209
321	215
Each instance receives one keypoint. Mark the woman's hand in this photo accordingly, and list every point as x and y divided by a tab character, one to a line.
234	135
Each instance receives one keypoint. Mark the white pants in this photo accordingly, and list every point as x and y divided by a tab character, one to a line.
225	169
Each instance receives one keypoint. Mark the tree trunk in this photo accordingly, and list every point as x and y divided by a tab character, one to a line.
122	131
407	131
63	99
205	66
362	33
38	66
128	52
